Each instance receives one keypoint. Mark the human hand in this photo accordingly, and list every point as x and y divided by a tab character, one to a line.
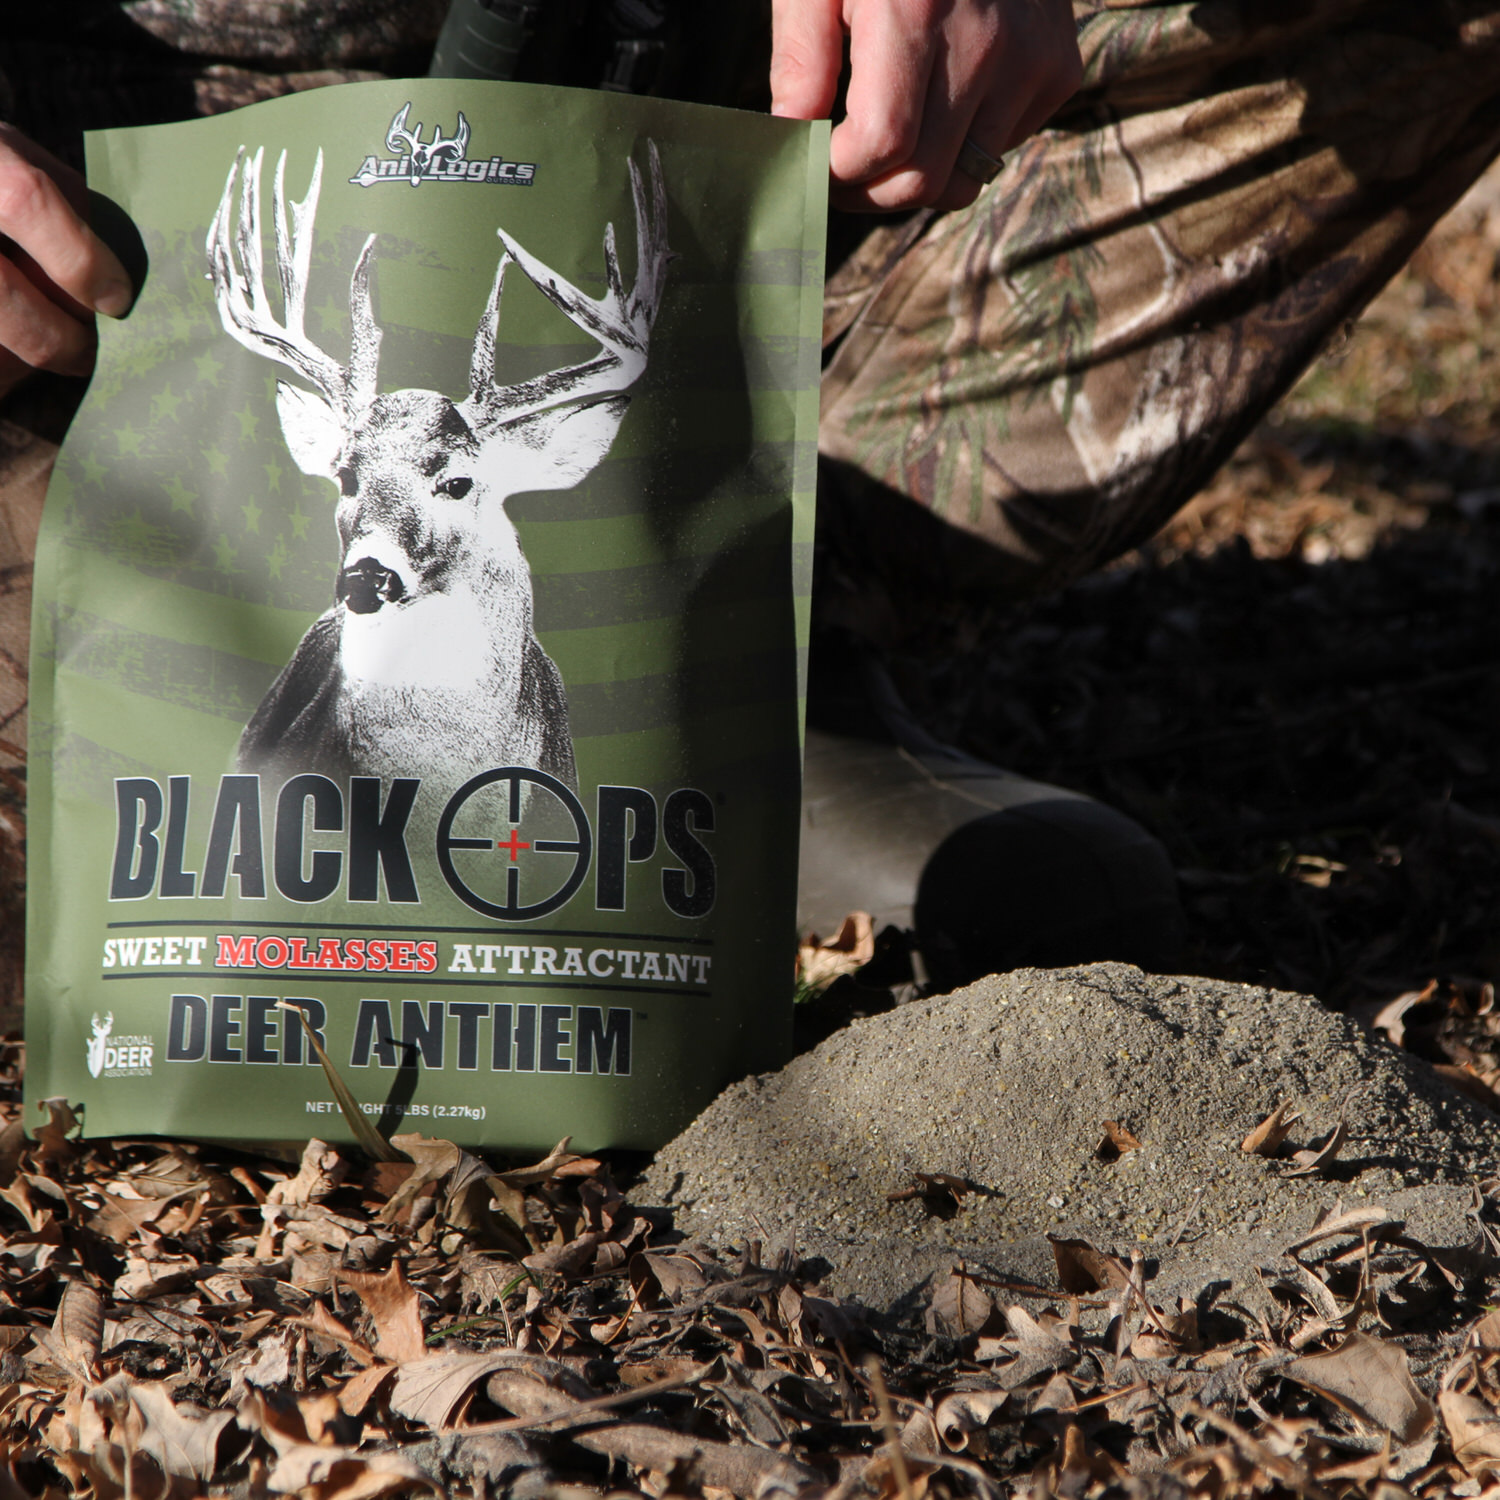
55	272
924	75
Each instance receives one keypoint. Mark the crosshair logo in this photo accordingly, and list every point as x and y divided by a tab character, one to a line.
513	783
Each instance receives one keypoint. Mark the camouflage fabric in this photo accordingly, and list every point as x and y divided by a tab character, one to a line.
1054	371
77	65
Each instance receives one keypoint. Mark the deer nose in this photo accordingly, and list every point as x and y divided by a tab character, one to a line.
364	586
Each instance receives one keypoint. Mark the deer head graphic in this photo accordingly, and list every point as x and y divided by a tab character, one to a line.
425	159
427	659
97	1041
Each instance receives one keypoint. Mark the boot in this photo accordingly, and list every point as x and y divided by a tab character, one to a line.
992	871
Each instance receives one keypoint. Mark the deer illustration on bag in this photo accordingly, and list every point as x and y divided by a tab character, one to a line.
427	661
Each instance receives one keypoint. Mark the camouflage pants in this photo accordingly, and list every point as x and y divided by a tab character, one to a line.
1053	372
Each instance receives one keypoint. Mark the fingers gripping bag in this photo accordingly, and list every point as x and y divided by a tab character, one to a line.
421	622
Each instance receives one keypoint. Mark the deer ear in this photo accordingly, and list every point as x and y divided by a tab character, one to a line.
311	428
563	445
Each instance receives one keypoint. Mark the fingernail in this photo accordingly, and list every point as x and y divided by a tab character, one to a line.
113	299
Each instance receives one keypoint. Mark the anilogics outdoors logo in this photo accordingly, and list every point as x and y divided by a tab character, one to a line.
442	159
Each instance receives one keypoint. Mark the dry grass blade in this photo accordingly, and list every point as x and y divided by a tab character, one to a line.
370	1140
1355	1222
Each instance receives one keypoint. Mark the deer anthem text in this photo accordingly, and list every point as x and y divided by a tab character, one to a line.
469	1035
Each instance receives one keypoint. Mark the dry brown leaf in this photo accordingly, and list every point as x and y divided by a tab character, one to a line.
551	1164
1315	1159
658	1274
920	1434
884	1478
183	1439
1390	1018
755	1415
121	1219
959	1309
12	1144
313	1472
322	1170
960	1414
820	963
1370	1378
469	1185
1266	1138
1081	1463
359	1390
1166	1333
78	1328
1116	1142
1029	1332
52	1138
272	1364
941	1193
736	1467
1486	1332
1473	1430
392	1303
1082	1268
323	1323
120	1429
1031	1350
429	1390
433	1161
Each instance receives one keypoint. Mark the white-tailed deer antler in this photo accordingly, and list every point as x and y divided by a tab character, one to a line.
398	135
428	656
621	322
238	268
452	147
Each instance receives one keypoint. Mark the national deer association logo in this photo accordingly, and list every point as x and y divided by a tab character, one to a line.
442	159
112	1056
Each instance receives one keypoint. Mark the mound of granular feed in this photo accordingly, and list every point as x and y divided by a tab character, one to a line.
1008	1084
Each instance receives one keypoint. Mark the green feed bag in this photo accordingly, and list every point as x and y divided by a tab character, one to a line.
421	622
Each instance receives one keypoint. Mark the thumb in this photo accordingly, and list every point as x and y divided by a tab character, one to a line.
807	50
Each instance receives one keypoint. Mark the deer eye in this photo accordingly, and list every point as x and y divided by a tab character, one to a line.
457	487
348	481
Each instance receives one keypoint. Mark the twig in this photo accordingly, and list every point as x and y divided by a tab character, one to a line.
1191	1214
888	1426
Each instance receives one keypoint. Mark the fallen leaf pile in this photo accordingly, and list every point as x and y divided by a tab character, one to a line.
179	1321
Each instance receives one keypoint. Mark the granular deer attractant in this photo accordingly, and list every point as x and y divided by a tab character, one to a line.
421	621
